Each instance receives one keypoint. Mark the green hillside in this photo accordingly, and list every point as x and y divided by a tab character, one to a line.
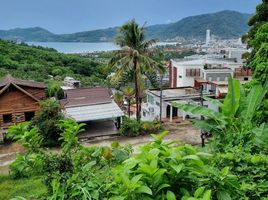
225	24
38	63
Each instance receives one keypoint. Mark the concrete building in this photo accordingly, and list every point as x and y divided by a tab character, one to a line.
205	70
151	109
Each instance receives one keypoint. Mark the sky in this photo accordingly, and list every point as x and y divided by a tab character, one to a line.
68	16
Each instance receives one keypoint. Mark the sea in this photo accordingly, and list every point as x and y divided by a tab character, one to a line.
83	47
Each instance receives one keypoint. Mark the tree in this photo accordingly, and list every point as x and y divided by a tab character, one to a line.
135	56
255	22
128	93
54	90
118	98
46	121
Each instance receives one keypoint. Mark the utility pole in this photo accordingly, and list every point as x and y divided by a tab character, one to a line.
161	96
202	117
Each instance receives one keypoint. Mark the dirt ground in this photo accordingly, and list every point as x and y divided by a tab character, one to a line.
183	132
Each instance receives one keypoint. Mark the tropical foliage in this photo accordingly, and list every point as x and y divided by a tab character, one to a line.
239	140
46	122
235	123
134	58
131	127
38	63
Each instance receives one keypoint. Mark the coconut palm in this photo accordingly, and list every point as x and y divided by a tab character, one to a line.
128	93
135	56
118	98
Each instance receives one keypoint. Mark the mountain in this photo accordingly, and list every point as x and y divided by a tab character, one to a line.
224	24
35	34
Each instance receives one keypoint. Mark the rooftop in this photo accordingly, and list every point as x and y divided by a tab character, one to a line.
202	60
177	93
9	80
87	96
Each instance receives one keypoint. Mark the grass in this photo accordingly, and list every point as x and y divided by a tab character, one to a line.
30	188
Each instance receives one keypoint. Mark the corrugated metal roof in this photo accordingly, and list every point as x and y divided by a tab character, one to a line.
87	96
94	112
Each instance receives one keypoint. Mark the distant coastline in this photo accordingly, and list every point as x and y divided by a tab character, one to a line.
83	47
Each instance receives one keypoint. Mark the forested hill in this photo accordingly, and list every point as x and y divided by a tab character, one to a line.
38	63
225	24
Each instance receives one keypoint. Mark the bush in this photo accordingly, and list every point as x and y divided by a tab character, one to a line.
46	122
131	127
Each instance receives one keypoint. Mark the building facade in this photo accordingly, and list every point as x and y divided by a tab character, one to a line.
19	100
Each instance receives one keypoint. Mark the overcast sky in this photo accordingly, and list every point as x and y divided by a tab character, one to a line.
67	16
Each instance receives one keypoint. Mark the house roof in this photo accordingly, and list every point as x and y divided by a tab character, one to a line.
94	112
17	83
10	80
87	96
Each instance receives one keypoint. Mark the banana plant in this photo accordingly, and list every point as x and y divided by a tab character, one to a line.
235	121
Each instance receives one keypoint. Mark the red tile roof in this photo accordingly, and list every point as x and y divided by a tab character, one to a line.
87	96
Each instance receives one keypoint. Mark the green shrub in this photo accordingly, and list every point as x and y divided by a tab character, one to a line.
131	127
46	122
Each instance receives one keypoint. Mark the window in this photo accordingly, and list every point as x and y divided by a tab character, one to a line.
144	114
151	99
28	116
7	118
192	72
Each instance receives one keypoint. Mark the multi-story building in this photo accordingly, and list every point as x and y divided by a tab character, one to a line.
209	71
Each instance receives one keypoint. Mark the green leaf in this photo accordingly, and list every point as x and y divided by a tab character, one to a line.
162	187
214	101
253	100
224	171
177	168
135	179
207	195
199	191
222	195
170	195
232	100
145	189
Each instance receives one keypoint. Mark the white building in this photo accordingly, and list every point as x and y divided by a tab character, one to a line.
151	109
207	37
209	71
70	83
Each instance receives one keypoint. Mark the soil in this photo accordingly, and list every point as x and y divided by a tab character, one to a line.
183	132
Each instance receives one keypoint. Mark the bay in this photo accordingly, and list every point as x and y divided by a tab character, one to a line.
82	47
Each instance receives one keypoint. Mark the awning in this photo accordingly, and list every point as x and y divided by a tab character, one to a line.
94	112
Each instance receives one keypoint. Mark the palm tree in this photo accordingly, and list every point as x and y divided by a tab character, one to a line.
118	98
134	56
128	93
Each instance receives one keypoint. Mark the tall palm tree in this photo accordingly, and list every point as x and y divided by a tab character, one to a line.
128	93
136	56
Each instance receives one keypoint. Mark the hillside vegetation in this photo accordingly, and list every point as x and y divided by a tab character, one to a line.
37	63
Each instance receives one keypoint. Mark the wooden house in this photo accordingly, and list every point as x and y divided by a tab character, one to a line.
19	100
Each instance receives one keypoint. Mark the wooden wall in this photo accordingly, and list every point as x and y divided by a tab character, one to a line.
15	102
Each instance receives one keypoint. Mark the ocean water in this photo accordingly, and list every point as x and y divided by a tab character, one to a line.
77	47
81	47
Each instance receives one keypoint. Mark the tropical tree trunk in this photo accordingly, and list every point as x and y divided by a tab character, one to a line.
136	90
128	108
